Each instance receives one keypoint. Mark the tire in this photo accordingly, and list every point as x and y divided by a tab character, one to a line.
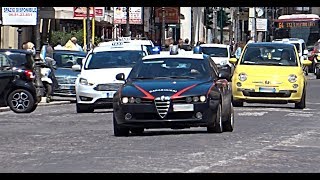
21	101
119	131
137	130
228	125
237	103
215	126
317	73
83	108
302	103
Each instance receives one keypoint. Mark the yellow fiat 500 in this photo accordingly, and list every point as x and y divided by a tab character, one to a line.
269	73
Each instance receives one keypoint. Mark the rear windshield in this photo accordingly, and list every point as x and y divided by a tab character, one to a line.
16	59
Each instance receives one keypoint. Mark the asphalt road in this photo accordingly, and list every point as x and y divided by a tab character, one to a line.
266	139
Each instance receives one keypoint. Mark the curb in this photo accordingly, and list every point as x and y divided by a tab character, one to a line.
4	109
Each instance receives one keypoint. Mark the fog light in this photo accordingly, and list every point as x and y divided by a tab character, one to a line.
295	86
199	115
128	116
239	84
85	98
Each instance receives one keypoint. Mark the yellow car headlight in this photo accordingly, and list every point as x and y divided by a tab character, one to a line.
292	78
242	76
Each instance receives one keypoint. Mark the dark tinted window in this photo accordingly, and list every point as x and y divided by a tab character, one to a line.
215	51
177	67
20	60
113	59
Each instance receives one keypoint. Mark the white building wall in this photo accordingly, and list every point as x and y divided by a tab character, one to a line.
185	26
9	37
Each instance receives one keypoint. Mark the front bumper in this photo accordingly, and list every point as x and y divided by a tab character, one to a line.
65	90
86	95
147	116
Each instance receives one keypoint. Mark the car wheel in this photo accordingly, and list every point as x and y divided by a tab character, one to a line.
228	125
84	108
21	101
119	131
302	103
215	126
317	73
237	103
137	130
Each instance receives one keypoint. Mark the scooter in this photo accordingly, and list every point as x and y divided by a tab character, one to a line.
317	65
47	82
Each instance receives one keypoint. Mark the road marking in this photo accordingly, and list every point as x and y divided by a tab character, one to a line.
252	113
299	114
255	153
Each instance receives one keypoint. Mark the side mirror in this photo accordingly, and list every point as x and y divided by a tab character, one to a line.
120	77
79	61
307	62
305	52
233	60
76	67
224	75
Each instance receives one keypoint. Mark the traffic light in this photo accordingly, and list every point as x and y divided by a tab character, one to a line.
227	17
221	18
208	17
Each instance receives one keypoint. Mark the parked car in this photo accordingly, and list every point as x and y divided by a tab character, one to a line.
65	76
17	88
220	54
269	73
173	91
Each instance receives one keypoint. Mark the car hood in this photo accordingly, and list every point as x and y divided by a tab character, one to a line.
104	75
173	88
269	71
66	72
220	60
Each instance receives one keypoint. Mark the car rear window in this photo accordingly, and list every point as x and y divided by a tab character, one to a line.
19	59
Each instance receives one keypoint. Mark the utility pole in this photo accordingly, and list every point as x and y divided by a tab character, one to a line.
163	27
128	21
37	32
88	29
19	37
221	25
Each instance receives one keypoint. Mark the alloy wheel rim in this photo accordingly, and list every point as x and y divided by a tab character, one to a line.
20	101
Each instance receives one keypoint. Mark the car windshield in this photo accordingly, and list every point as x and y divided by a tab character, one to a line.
67	59
215	51
270	55
175	68
113	59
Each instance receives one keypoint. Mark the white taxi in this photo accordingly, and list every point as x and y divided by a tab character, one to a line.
96	84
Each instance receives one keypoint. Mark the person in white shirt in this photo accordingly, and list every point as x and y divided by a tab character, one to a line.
58	46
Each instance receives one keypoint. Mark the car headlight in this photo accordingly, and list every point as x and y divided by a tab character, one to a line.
203	98
242	76
223	63
125	100
83	81
292	78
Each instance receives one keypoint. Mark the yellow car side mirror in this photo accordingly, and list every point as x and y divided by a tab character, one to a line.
306	62
233	60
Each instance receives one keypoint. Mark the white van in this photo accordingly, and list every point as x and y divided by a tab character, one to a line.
299	43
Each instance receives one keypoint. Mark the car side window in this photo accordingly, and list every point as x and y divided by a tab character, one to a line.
4	62
214	68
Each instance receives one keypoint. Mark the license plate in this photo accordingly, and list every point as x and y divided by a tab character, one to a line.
265	89
183	107
65	87
110	94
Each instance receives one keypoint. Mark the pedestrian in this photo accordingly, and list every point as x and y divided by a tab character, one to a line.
186	46
73	45
29	46
239	50
180	43
58	46
250	40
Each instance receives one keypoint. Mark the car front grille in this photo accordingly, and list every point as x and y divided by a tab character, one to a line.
108	87
162	105
66	80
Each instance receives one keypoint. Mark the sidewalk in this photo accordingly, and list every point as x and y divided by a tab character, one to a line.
42	103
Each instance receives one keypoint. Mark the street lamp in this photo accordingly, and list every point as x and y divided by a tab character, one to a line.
163	27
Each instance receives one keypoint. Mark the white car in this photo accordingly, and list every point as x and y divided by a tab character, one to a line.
96	84
220	54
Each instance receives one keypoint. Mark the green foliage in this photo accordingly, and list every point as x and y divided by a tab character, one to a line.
65	36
